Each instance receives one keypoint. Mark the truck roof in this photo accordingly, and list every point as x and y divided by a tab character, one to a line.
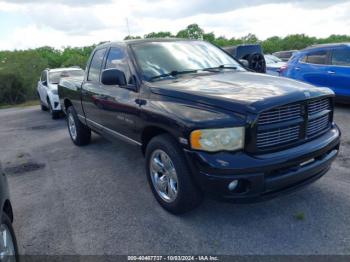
147	40
326	45
64	69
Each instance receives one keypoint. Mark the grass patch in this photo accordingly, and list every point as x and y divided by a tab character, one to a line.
299	216
25	104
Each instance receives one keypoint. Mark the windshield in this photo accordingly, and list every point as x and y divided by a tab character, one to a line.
54	77
161	58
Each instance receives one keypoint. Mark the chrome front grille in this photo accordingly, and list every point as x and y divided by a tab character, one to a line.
317	106
284	113
316	126
277	137
291	124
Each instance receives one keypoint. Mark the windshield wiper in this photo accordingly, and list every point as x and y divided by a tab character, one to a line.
219	68
173	73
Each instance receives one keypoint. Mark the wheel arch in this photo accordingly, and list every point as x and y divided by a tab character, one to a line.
67	103
8	209
150	132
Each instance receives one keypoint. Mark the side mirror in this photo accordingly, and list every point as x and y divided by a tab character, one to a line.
44	83
113	77
244	62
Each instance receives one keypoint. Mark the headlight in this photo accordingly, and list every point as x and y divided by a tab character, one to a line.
213	140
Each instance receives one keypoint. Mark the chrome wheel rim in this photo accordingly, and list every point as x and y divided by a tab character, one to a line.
72	127
163	176
7	247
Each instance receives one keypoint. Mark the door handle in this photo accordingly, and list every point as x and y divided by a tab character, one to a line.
331	72
297	68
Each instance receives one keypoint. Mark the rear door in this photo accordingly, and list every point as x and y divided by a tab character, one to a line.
339	71
312	68
91	88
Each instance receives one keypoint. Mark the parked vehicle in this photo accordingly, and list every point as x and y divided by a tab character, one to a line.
204	123
8	243
323	65
252	56
47	88
285	55
273	65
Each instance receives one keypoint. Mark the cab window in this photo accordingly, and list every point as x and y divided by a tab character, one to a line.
43	76
95	65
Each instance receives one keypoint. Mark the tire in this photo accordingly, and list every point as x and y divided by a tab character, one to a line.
42	106
188	196
82	134
54	114
257	63
6	225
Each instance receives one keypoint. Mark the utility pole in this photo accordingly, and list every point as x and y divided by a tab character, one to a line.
127	25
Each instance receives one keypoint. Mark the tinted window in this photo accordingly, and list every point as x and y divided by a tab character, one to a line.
117	59
43	76
341	57
95	66
319	58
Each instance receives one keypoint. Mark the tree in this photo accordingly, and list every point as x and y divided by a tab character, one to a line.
250	39
158	35
210	37
130	37
192	31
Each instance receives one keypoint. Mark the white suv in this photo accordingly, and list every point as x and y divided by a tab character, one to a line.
47	88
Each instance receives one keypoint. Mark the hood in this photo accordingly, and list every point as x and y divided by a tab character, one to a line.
238	91
53	86
276	65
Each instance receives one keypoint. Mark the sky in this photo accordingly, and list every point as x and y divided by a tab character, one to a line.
59	23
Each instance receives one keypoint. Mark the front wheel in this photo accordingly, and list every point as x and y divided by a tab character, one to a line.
79	133
169	176
8	243
42	106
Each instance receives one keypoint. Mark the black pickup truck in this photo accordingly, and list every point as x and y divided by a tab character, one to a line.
204	123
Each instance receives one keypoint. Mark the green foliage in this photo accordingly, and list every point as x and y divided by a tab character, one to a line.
192	31
158	35
130	37
20	70
11	89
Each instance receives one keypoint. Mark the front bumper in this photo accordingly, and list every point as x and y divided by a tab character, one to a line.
264	176
55	103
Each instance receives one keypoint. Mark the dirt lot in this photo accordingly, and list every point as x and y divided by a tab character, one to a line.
95	200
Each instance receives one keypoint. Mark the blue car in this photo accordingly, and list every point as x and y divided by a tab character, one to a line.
323	65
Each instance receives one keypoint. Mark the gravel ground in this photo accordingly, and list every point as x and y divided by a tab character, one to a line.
96	200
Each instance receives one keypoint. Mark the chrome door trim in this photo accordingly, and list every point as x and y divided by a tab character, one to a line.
110	131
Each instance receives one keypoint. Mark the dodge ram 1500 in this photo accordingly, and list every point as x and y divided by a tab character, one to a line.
204	123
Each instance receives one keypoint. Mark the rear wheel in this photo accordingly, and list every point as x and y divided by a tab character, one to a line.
169	176
79	133
8	243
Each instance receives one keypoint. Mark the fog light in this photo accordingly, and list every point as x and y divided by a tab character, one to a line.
233	185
